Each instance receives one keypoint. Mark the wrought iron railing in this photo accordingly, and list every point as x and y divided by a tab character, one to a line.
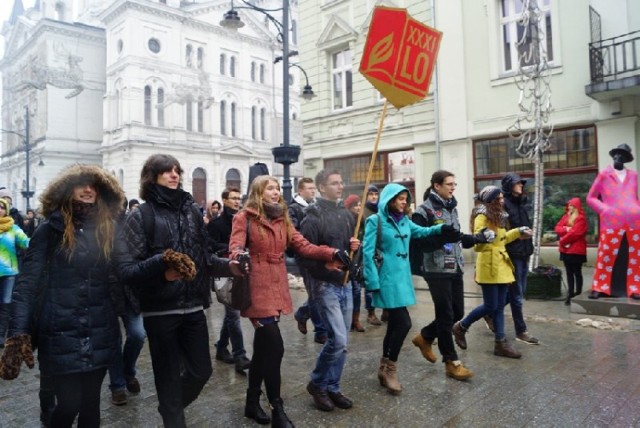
615	58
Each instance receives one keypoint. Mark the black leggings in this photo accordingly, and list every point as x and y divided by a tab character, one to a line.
268	350
398	327
574	276
78	394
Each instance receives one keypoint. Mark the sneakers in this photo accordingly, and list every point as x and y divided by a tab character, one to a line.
525	337
372	318
489	323
119	398
242	364
133	386
455	370
425	347
223	354
458	335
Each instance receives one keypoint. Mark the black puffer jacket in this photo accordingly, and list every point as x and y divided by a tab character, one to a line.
77	326
330	224
515	205
219	230
139	257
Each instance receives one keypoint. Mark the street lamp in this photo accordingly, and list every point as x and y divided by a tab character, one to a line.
285	154
27	193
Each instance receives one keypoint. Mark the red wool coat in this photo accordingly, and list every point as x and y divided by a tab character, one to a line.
573	241
268	282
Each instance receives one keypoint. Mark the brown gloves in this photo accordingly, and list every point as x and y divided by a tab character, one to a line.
181	263
16	350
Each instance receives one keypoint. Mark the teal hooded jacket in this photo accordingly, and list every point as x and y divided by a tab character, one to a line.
392	285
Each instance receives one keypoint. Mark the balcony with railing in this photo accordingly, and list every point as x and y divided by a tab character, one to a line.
615	67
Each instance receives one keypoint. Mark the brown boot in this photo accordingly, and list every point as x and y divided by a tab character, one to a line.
383	365
459	335
390	378
503	349
355	322
456	370
425	347
372	318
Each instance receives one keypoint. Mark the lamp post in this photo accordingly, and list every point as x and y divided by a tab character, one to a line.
27	193
286	153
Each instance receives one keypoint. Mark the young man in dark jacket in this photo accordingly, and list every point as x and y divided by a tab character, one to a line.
164	255
327	222
219	229
519	251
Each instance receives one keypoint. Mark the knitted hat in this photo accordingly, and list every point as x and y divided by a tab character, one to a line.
372	189
5	193
488	194
6	205
351	201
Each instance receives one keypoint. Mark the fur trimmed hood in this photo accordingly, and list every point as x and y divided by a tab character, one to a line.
56	193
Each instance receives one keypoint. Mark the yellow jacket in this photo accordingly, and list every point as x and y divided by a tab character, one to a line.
493	265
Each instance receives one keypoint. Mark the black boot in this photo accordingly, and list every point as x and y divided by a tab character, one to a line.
252	407
4	321
279	418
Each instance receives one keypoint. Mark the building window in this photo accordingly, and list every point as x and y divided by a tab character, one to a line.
200	117
154	45
253	71
232	66
233	119
512	31
570	168
223	118
263	123
261	73
120	45
199	186
254	125
200	58
294	31
232	179
189	107
160	107
147	105
342	80
223	60
188	54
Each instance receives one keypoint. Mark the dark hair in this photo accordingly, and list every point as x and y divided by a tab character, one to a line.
133	202
153	167
323	175
437	177
225	194
303	181
216	203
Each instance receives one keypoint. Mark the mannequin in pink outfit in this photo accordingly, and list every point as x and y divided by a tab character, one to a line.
614	196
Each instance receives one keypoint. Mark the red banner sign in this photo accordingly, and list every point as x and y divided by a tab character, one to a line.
399	55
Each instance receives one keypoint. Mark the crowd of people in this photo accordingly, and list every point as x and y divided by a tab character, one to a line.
95	260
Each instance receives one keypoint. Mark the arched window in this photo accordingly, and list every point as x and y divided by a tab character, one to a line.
223	60
254	125
232	66
147	105
223	115
189	106
232	179
233	119
261	73
253	71
200	117
199	186
160	107
188	53
263	123
200	58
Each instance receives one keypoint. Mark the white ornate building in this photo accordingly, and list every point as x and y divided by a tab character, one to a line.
52	71
144	77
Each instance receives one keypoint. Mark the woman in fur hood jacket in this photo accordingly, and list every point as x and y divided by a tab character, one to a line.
65	279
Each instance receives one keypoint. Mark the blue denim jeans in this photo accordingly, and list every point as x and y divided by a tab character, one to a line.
515	294
336	308
493	299
6	288
231	331
124	366
310	309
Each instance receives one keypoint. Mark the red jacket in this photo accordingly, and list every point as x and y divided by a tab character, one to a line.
268	281
573	241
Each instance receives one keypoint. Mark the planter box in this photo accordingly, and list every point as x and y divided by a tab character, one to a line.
544	284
